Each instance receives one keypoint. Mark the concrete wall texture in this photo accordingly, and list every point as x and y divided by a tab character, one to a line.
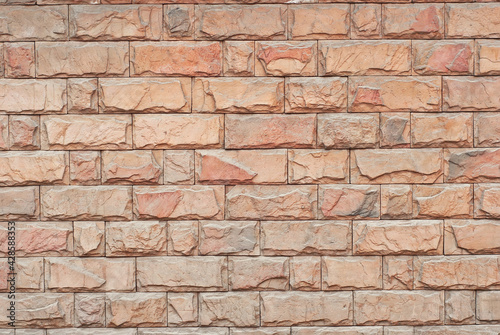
246	167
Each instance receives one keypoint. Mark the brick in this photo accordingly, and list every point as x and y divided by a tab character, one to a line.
94	203
182	309
19	203
397	273
305	273
331	21
32	96
4	132
185	331
486	197
216	22
441	129
460	307
82	59
132	167
338	330
487	57
82	96
487	129
111	22
19	60
90	309
415	21
178	167
351	273
396	201
241	166
457	330
72	274
175	202
398	237
137	95
183	238
93	331
366	21
238	59
471	237
394	130
136	238
443	57
471	165
348	130
179	21
471	94
442	201
167	131
261	331
394	94
238	95
398	307
85	167
180	274
175	58
292	58
315	95
33	23
24	132
84	132
481	20
229	309
29	274
89	238
345	58
283	202
229	238
349	202
289	238
261	273
318	166
39	239
488	306
136	310
306	308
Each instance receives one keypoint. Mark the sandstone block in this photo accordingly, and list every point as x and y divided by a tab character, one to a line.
471	93
487	57
346	131
179	21
136	238
305	273
19	203
132	167
396	202
397	274
442	201
317	166
366	21
19	60
136	309
24	132
486	201
85	167
488	306
351	273
239	58
229	309
229	237
292	58
331	21
182	309
178	167
471	165
443	57
481	17
29	274
349	202
471	237
261	273
413	21
460	307
82	96
314	94
90	310
89	238
394	130
487	129
441	130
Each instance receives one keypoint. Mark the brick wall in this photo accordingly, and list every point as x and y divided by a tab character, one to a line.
250	167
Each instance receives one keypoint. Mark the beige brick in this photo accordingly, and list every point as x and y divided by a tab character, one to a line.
136	309
457	330
486	201
132	167
291	58
258	273
318	166
136	238
487	57
366	21
460	307
442	201
443	57
24	132
19	203
178	167
397	272
349	201
471	165
441	130
394	130
338	330
229	309
28	274
89	238
482	20
185	331
229	238
182	309
471	93
182	238
19	60
351	273
239	58
488	306
82	96
413	21
346	131
4	131
487	129
85	167
396	201
261	331
305	273
331	21
471	237
315	94
90	309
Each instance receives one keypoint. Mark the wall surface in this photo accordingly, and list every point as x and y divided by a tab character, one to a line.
225	167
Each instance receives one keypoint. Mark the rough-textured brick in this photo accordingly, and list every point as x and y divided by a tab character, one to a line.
85	167
441	130
262	273
487	57
285	58
443	57
394	130
229	309
460	307
349	202
89	238
488	306
413	21
331	21
136	238
178	167
471	165
183	238
310	95
305	273
486	201
348	131
132	167
471	237
185	331
24	132
238	58
318	166
338	330
90	309
442	201
136	309
396	202
397	273
229	238
82	95
471	93
19	60
366	21
4	132
182	309
179	21
351	273
19	203
482	20
29	274
487	129
457	330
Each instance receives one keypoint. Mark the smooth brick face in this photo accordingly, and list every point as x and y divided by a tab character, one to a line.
332	21
483	20
414	21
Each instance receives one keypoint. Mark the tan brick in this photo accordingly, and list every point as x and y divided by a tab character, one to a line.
92	331
318	166
179	21
178	167
24	132
315	95
457	272
442	201
108	22
486	201
398	237
270	131
19	203
349	202
229	237
32	96
182	238
19	60
85	167
258	273
90	309
305	273
182	309
217	22
441	130
346	131
413	21
241	166
331	21
394	94
4	132
21	23
82	59
487	129
398	307
351	273
338	331
261	331
136	309
342	58
238	95
290	238
238	58
394	130
471	93
457	330
94	203
488	306
443	57
396	202
366	21
89	238
471	237
176	202
460	307
132	167
136	238
72	274
138	95
482	20
82	96
175	58
487	57
185	331
397	273
229	309
178	273
471	165
306	308
28	274
167	131
283	202
292	58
